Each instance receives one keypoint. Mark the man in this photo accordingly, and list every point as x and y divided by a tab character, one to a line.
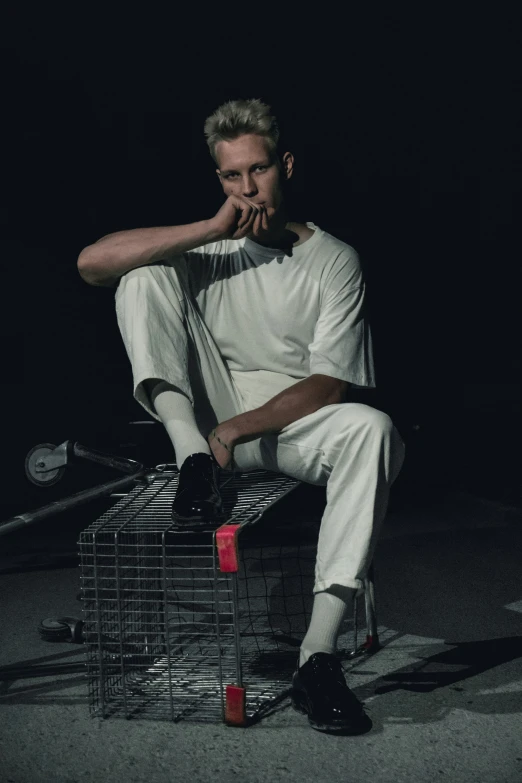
245	333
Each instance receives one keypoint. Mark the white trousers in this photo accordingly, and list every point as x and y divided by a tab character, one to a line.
352	448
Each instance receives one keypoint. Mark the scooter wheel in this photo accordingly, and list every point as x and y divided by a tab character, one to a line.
61	629
42	479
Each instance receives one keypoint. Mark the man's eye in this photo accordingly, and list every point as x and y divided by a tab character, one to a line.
229	176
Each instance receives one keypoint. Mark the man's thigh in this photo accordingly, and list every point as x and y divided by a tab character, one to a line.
307	449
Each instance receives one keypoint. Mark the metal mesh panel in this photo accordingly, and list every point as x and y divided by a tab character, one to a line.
166	630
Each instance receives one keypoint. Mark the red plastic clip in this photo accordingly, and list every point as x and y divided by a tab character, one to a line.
226	540
235	713
371	644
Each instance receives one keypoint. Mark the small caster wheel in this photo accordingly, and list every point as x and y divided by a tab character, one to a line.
33	457
61	629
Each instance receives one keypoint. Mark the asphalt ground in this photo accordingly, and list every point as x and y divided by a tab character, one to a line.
444	694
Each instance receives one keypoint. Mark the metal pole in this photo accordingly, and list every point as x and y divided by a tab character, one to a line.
124	464
78	499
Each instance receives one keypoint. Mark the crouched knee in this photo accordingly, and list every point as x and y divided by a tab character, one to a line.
371	418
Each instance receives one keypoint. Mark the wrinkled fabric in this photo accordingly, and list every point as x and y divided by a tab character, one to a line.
164	311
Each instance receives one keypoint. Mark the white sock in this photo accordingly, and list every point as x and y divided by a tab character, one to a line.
328	614
177	414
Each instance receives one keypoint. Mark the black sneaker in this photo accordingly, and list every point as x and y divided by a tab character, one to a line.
320	691
198	504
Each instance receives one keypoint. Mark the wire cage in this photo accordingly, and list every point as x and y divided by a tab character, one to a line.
199	626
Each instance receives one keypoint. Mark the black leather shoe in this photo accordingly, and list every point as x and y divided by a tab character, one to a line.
319	690
198	504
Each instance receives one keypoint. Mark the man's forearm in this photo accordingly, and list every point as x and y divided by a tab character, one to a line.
299	400
115	254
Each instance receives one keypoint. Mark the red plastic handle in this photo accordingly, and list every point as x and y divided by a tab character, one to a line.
228	555
235	713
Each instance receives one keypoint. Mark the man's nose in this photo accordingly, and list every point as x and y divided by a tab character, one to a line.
249	188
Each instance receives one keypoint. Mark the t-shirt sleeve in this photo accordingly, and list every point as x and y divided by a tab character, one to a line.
342	344
202	261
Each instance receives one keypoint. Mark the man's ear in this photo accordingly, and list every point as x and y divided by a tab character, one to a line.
221	181
287	164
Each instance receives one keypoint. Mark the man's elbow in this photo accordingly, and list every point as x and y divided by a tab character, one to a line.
338	390
344	390
333	390
339	393
85	264
88	264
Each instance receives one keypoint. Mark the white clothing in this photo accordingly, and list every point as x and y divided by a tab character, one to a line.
231	325
285	315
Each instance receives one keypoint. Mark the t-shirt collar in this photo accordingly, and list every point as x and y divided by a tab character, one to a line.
269	252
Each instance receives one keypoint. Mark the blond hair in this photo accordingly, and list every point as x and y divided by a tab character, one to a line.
235	118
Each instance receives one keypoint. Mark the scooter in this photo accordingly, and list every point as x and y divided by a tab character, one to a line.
45	465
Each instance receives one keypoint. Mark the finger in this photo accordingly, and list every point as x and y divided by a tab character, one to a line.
265	218
255	207
246	214
258	223
250	224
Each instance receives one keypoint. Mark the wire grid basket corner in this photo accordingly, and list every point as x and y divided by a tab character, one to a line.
168	634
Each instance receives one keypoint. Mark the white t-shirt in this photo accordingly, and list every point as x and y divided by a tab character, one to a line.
285	317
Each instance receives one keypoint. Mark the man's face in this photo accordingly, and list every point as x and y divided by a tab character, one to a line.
247	168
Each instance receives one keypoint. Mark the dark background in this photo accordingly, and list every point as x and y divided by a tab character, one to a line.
405	132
